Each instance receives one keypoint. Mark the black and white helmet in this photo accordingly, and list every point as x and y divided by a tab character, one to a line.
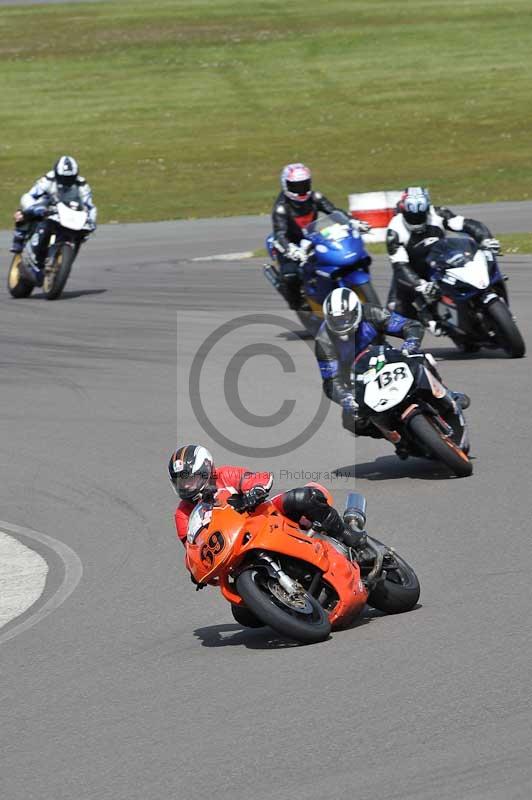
190	469
66	170
342	310
414	205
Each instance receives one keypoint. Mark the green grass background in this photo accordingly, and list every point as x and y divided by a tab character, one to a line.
189	108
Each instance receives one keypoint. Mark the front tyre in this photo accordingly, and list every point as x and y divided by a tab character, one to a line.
398	591
16	284
440	446
297	617
57	275
507	332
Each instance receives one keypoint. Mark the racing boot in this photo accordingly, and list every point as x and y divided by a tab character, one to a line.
333	525
461	399
291	292
17	245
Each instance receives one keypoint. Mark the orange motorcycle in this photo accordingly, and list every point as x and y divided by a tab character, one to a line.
301	583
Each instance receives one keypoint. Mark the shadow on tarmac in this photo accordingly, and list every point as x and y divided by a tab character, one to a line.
234	635
392	468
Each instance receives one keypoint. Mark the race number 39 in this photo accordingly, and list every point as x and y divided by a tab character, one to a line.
212	548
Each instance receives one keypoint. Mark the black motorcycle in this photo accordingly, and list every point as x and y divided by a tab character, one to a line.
69	230
402	399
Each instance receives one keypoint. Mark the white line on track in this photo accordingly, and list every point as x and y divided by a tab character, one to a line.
72	572
226	257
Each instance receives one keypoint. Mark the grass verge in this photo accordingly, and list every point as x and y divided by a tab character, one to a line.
183	108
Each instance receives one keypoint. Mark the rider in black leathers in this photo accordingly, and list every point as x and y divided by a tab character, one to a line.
295	207
409	237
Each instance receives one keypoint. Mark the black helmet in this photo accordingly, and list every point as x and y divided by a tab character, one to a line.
342	310
66	170
190	469
414	205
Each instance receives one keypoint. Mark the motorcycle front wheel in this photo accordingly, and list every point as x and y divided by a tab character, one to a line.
440	446
300	618
507	332
56	275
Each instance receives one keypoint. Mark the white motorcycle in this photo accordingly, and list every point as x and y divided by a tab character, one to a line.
473	304
69	230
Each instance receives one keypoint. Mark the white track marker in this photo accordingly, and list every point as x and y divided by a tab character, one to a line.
22	577
226	257
72	570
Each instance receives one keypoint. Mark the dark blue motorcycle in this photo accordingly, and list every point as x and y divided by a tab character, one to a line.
473	307
336	256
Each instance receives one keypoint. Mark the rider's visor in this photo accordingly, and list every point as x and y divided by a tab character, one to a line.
66	180
342	323
299	187
189	487
415	217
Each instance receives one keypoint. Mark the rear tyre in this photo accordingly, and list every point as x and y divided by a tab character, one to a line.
16	284
367	293
508	334
55	281
440	446
303	620
399	590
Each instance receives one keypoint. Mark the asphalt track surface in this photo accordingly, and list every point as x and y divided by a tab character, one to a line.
139	688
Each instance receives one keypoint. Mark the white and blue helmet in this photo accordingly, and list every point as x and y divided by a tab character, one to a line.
414	205
66	170
342	310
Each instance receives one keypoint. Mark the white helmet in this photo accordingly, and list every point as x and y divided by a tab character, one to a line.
342	310
66	170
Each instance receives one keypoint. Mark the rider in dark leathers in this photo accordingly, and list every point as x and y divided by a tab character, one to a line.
410	234
295	207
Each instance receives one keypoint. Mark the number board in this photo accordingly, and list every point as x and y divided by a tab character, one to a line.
388	386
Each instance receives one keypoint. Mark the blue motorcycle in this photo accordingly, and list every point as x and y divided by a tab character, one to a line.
336	256
473	307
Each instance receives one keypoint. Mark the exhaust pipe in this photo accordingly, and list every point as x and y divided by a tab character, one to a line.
355	512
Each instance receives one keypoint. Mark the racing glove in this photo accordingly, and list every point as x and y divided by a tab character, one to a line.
295	253
360	225
491	244
248	501
37	211
429	291
410	346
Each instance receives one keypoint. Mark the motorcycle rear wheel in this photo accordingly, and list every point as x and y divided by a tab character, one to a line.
399	590
17	285
440	446
307	628
508	334
367	293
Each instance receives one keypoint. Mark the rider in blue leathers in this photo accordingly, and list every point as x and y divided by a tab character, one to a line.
349	328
